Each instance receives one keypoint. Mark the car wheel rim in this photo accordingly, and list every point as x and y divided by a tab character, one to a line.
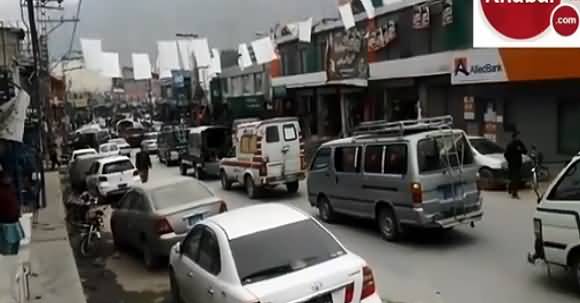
324	211
388	226
249	188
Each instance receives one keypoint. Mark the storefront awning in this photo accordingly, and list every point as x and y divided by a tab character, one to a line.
418	66
314	80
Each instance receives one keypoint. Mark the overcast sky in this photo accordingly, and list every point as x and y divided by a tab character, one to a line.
128	26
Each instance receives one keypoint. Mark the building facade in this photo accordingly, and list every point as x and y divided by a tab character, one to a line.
421	63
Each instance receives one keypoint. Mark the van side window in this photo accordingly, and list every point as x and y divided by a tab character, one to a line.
272	134
321	160
347	159
289	132
373	159
396	160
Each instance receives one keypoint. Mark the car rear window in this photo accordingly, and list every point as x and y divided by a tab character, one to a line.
178	194
439	152
117	167
282	250
486	147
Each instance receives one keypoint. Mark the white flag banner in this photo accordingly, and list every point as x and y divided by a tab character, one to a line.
111	67
92	54
141	66
202	52
305	31
168	57
369	8
216	62
13	116
346	15
185	49
294	28
264	50
244	59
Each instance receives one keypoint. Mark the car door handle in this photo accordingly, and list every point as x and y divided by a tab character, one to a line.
190	274
210	291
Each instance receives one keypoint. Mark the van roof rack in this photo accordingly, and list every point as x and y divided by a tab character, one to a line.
400	128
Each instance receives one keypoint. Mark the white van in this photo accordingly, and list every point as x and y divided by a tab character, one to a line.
557	222
268	153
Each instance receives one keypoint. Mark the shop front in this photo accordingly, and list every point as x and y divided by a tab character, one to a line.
532	91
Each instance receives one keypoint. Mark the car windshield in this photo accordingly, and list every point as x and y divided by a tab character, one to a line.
109	148
568	187
282	250
486	147
438	152
84	153
117	167
178	194
118	141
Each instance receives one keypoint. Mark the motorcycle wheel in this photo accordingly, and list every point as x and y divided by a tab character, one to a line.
88	246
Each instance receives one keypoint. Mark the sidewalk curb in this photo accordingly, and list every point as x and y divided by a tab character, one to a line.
55	274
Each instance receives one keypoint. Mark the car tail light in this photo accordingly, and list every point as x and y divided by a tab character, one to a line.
135	173
416	194
349	293
223	207
163	226
102	179
368	286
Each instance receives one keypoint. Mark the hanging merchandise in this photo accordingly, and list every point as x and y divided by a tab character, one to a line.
421	16
369	8
447	13
11	232
244	58
376	39
346	15
390	32
264	50
141	66
13	117
92	54
305	31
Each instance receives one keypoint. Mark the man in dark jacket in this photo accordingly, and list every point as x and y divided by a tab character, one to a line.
513	154
143	163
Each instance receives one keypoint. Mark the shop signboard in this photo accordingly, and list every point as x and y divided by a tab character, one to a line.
347	55
477	66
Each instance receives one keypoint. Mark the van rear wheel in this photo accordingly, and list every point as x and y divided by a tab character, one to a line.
575	269
292	187
226	184
388	225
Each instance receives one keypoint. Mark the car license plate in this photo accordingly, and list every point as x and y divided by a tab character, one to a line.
321	299
122	185
194	219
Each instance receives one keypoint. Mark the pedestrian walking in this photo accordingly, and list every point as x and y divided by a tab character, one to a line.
513	154
54	157
143	163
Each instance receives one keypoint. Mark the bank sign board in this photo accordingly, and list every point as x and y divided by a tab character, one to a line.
477	66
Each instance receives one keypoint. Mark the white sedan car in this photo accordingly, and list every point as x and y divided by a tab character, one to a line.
124	147
109	149
267	253
112	176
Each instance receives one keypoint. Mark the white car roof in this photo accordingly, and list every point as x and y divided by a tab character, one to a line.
252	219
85	150
112	159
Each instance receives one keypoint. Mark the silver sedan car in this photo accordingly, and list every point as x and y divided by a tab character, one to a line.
152	218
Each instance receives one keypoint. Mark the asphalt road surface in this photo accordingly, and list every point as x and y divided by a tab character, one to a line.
482	264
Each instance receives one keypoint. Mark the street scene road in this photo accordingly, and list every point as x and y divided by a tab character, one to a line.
482	264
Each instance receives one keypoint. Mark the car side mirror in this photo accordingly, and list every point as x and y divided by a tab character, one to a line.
177	248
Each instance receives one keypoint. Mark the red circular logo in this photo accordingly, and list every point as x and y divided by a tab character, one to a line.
565	20
519	20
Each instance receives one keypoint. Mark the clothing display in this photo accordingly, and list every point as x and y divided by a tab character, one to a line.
10	236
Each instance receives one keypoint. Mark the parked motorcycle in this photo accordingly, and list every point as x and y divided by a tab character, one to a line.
542	172
91	233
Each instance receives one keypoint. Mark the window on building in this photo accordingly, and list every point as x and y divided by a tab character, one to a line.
568	125
396	160
303	52
322	55
347	159
259	82
225	87
373	159
237	88
285	63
